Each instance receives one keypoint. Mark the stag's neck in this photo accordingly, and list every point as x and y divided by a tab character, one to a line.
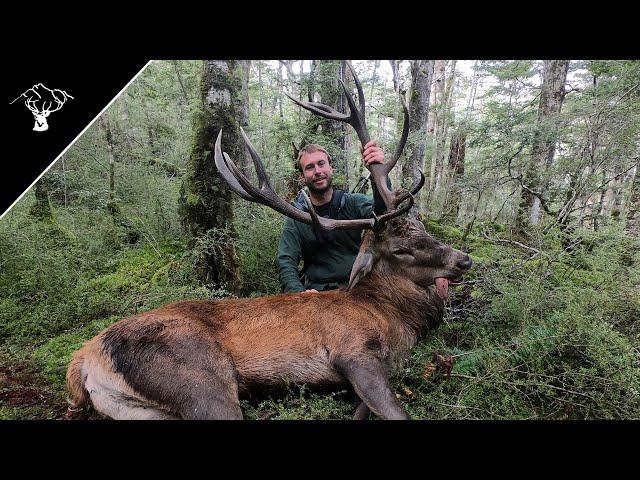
406	304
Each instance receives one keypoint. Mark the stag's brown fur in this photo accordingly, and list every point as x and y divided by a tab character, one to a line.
193	359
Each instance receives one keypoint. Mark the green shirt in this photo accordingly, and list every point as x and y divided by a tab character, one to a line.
328	256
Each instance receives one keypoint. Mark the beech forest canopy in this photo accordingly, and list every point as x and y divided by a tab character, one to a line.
531	166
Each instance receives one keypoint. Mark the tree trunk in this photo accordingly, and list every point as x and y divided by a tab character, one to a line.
247	162
184	90
549	107
474	88
445	88
112	205
278	98
421	78
633	214
456	166
395	70
261	106
206	200
438	120
43	188
448	94
374	79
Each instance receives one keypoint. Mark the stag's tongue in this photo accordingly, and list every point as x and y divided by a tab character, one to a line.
442	287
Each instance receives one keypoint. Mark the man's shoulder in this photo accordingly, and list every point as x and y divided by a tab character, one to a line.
358	198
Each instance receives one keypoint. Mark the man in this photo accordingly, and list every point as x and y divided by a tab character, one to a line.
328	256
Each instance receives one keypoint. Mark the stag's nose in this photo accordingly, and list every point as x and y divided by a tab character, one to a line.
465	263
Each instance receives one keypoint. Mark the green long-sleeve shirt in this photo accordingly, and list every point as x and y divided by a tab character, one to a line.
329	256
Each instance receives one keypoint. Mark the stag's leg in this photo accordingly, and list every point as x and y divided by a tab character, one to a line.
118	407
186	372
362	412
216	399
113	398
369	380
206	383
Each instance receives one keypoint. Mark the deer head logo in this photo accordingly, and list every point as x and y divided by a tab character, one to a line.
43	101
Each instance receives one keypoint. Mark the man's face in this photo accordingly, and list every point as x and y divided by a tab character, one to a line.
316	171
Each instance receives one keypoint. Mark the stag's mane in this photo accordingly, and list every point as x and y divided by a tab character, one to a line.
417	307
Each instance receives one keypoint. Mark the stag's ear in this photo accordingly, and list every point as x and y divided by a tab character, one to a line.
361	267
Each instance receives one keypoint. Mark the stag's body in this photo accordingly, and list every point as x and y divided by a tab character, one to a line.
194	359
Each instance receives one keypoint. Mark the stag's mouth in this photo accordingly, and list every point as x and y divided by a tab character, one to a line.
442	285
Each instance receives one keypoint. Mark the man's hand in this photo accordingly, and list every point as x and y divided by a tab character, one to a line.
311	290
372	153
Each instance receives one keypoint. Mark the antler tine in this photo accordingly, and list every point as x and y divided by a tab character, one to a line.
221	164
396	213
380	172
418	184
320	109
312	211
403	139
359	88
257	162
415	188
32	107
356	117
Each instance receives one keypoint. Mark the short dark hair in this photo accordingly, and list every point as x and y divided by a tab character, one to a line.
311	148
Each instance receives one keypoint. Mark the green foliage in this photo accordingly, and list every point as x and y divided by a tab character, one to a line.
259	230
297	403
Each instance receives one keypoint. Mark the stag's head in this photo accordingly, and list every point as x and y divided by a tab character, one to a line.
393	244
403	248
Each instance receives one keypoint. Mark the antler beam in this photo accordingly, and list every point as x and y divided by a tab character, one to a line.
265	194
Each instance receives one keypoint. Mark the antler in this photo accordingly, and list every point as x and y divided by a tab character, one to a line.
265	194
32	107
356	118
60	103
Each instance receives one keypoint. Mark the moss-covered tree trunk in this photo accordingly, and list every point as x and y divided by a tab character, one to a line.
419	95
41	209
206	200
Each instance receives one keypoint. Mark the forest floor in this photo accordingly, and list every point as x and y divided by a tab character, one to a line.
23	391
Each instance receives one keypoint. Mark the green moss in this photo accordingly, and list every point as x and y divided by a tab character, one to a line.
53	357
443	232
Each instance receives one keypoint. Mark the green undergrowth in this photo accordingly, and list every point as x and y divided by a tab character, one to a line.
551	334
298	403
61	285
537	332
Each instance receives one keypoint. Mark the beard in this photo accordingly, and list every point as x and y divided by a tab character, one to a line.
319	191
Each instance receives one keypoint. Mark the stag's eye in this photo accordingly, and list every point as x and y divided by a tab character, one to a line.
403	252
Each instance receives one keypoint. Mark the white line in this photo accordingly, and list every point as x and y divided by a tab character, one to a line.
79	135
